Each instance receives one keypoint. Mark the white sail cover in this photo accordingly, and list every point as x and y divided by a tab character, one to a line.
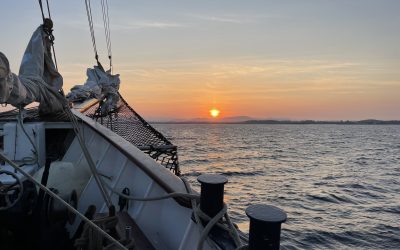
38	79
101	85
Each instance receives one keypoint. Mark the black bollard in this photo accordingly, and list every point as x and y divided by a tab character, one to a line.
265	226
212	193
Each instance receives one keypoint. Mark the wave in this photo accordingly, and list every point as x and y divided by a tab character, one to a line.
347	239
228	173
338	184
331	198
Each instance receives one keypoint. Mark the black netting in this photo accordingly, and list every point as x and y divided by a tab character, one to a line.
128	124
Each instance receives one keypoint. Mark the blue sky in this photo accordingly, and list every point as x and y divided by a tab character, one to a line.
300	59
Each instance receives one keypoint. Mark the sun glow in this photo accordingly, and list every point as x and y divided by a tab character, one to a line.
214	112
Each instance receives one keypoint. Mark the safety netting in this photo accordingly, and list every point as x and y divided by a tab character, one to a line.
128	124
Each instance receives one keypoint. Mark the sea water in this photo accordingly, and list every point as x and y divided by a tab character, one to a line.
339	184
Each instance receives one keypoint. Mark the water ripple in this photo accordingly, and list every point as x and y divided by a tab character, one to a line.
338	184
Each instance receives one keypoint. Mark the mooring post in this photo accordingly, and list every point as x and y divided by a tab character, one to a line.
212	193
265	226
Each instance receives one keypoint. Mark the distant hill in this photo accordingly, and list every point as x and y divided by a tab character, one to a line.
249	120
361	122
237	119
232	119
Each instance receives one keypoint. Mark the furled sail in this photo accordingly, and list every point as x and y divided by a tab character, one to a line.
101	85
38	79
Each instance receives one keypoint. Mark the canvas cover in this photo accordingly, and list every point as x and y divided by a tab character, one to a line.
38	79
101	85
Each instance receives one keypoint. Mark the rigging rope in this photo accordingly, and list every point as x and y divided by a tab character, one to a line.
81	141
58	198
90	20
86	153
41	9
48	9
107	31
48	28
198	214
35	158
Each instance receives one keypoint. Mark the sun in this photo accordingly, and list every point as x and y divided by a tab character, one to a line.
214	112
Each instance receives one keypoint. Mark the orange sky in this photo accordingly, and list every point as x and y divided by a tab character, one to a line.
325	60
265	89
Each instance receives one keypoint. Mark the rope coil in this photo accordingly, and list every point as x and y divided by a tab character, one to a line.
198	214
92	240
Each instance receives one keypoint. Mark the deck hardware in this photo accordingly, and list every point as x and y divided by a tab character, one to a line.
128	232
123	202
212	193
265	226
11	193
52	194
43	181
56	212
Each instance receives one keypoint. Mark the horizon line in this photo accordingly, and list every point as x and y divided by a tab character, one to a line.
279	121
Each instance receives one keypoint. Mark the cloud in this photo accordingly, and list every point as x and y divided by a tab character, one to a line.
147	24
287	68
221	19
261	78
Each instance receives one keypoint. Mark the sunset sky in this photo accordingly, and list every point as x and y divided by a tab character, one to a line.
297	59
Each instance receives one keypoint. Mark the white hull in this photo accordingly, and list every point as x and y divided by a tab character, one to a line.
166	223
